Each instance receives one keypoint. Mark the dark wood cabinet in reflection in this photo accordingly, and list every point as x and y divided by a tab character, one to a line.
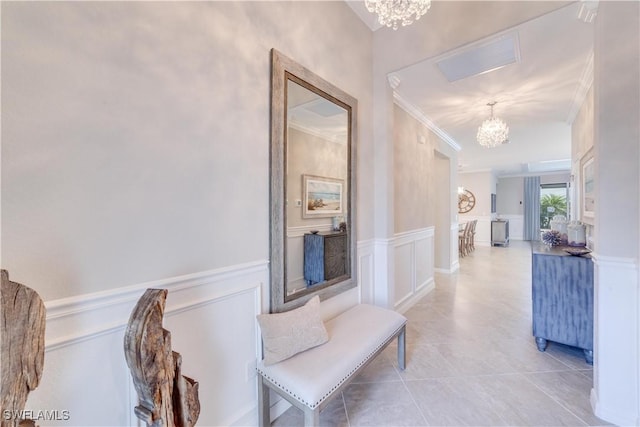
325	257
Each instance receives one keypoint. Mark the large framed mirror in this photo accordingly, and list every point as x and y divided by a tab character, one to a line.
313	191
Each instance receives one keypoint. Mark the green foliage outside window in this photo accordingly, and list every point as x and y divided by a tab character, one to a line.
551	205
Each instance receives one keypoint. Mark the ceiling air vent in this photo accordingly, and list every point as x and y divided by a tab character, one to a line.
481	58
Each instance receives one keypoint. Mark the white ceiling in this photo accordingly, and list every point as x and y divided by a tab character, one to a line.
537	96
315	115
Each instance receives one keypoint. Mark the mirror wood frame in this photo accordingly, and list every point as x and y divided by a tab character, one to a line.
284	69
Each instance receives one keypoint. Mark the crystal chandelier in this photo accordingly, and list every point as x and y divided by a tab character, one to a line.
392	12
493	131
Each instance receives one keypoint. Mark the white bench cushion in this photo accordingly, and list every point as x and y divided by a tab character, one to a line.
354	337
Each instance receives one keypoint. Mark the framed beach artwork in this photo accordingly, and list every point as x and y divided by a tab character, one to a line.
588	202
322	196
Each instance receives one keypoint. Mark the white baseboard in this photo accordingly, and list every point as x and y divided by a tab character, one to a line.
413	268
454	267
404	305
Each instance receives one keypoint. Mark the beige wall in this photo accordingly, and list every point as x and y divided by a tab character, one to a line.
443	220
510	196
135	153
616	394
582	139
135	135
414	173
481	184
582	129
510	191
312	155
424	179
617	130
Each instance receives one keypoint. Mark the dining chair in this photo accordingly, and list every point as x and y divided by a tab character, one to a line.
463	239
472	235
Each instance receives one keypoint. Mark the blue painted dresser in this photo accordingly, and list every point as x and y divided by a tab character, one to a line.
562	293
325	257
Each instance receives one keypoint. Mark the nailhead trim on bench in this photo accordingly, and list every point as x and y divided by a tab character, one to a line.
315	405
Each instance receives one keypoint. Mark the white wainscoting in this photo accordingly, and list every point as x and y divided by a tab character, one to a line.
403	269
455	252
413	267
381	289
454	255
483	228
615	396
516	226
366	271
211	317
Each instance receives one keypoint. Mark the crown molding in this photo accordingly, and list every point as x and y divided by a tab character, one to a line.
394	81
483	170
588	11
586	81
319	133
417	114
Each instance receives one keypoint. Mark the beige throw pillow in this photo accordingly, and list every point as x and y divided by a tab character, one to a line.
289	333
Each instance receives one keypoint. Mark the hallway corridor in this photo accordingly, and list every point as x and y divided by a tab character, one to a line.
471	359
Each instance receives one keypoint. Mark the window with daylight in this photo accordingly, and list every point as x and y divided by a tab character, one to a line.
553	201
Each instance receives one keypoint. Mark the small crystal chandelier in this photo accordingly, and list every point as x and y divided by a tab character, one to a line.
493	131
391	12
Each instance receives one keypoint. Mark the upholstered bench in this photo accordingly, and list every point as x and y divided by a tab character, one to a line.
311	378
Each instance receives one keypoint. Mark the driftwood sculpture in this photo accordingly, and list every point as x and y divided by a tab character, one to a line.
22	314
166	397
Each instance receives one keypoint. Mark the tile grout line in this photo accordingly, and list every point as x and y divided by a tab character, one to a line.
413	399
556	400
448	307
344	405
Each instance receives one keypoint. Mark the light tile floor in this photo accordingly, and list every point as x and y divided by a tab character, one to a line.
471	359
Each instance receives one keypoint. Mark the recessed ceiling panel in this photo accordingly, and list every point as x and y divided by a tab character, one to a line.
549	165
481	59
324	108
535	95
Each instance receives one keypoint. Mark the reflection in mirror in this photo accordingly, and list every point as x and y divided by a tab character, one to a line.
317	174
312	186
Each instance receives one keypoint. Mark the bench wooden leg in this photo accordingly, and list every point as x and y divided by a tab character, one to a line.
311	417
402	354
264	415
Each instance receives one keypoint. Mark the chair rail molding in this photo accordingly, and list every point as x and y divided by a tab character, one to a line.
516	226
383	268
199	309
483	228
407	260
454	253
